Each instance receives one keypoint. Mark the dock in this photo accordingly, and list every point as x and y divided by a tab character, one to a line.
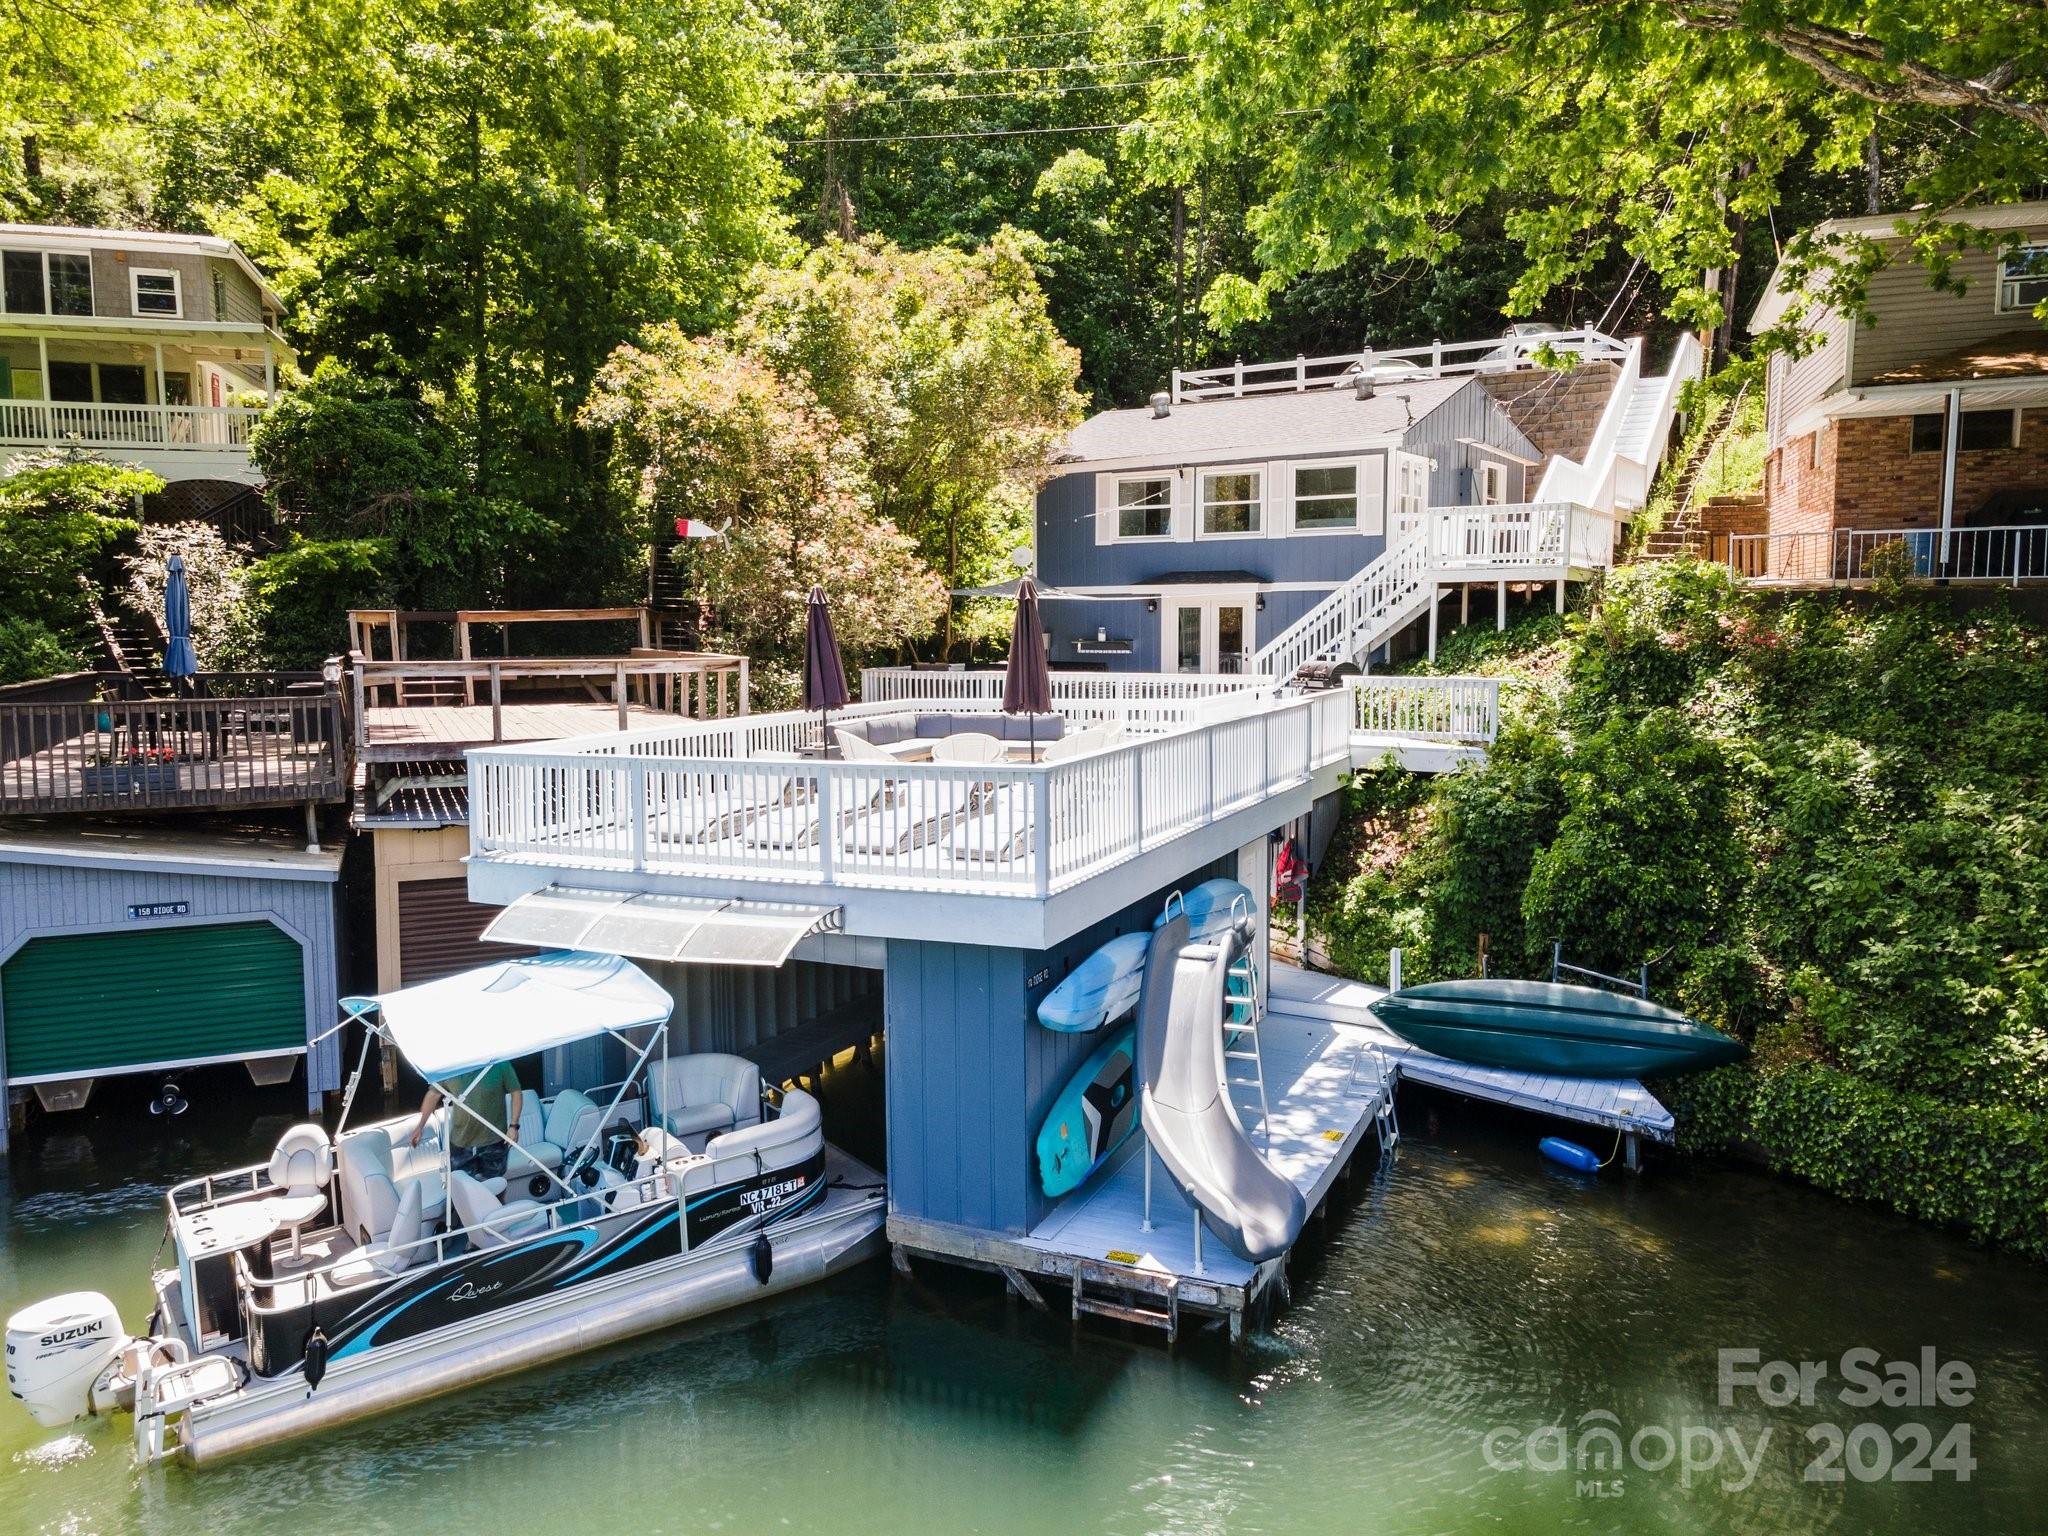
1622	1105
1331	1086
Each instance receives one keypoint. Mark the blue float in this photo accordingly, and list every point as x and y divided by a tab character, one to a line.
1569	1154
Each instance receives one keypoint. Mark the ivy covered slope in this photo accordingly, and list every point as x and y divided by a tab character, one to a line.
1821	819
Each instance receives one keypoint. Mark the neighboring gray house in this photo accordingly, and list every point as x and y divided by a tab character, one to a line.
1192	532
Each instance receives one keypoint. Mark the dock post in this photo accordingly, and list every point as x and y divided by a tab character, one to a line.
1147	1155
1198	1240
1631	1153
1394	970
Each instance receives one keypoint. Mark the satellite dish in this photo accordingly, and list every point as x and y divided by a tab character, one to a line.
1022	557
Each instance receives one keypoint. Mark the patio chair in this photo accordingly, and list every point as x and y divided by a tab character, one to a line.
856	748
968	747
996	829
1080	744
908	813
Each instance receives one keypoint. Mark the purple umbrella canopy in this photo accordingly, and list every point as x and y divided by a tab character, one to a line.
824	673
1027	681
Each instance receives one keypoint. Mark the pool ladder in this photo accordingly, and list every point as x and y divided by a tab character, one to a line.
1242	1018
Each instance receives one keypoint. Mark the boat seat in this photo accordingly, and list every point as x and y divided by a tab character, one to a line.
490	1222
549	1134
373	1173
394	1253
704	1093
792	1137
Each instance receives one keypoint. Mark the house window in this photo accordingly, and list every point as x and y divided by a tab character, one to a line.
2022	279
21	272
70	285
1230	501
1979	430
1326	496
1493	485
156	293
1144	508
1411	487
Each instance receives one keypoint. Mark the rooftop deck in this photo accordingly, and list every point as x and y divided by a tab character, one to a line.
240	740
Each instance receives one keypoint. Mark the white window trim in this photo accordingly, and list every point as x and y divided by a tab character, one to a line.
48	312
1998	304
1260	505
1487	470
1371	519
1116	484
135	277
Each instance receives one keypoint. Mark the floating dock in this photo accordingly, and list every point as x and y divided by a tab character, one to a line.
1331	1092
1622	1105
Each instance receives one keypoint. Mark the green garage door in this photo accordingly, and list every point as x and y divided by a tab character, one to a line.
88	1003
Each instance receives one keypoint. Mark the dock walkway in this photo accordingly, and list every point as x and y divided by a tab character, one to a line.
1329	1081
1615	1104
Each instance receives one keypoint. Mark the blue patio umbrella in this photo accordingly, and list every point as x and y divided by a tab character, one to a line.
824	672
180	660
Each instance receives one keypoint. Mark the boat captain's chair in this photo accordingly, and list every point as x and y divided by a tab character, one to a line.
300	1170
374	1175
489	1221
704	1094
392	1254
790	1139
549	1134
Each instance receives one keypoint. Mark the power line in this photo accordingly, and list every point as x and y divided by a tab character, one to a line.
1050	90
912	45
1007	69
1001	133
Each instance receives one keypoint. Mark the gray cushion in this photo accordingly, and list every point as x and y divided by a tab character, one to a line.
1002	727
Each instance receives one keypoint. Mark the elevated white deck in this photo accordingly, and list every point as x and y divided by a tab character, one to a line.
1616	1104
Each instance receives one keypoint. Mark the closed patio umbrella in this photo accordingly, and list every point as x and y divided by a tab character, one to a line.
1027	681
824	673
180	660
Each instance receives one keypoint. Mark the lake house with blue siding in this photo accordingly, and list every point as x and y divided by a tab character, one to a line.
1192	533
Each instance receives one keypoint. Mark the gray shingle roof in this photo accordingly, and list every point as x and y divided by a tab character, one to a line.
1280	424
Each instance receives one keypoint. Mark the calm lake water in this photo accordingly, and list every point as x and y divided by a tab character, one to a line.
1472	1291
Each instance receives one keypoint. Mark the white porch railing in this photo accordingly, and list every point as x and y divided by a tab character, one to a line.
1097	692
706	799
1460	709
91	425
1440	359
2009	555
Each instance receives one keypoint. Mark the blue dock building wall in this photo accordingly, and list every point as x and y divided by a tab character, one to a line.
971	1073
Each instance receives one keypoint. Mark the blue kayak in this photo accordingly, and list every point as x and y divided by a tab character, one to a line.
1212	907
1096	1110
1103	987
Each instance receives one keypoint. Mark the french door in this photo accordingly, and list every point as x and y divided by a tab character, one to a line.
1208	634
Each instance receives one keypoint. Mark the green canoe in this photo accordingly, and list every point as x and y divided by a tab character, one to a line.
1544	1026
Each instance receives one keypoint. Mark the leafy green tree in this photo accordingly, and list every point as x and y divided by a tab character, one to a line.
701	429
1671	126
59	520
945	367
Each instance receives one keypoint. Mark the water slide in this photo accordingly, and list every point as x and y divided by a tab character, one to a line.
1186	1114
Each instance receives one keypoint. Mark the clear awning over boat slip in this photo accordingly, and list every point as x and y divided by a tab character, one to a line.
691	930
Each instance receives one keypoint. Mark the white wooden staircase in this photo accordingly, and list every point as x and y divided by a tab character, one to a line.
1565	534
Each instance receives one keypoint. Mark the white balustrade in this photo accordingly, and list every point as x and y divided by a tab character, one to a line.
1394	365
96	425
1460	709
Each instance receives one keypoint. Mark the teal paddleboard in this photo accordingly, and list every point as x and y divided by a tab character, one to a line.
1212	907
1096	1110
1102	987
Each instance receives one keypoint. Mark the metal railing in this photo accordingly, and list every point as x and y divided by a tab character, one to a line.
2009	555
1391	365
94	425
219	750
716	799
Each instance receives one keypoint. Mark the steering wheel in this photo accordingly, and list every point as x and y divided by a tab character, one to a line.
583	1170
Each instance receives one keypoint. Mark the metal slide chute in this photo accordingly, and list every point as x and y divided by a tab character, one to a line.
1186	1113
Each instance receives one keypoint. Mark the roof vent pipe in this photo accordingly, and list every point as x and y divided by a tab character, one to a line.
1162	404
1364	379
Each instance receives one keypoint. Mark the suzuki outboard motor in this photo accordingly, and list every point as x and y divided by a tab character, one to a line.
57	1349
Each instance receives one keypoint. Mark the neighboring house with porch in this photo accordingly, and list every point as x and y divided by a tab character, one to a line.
158	350
1926	426
1259	517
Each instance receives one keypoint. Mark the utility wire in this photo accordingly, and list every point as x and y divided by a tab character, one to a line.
912	45
1051	90
1007	69
1001	133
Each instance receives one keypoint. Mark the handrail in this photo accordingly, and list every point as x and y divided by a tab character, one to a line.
1439	359
1589	480
1460	709
370	679
2009	554
147	426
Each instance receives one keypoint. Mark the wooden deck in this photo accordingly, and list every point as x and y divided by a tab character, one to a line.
1614	1104
417	731
1327	1081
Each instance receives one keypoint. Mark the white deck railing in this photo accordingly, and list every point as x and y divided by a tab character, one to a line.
709	799
93	425
2010	555
1440	359
1460	709
1096	694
